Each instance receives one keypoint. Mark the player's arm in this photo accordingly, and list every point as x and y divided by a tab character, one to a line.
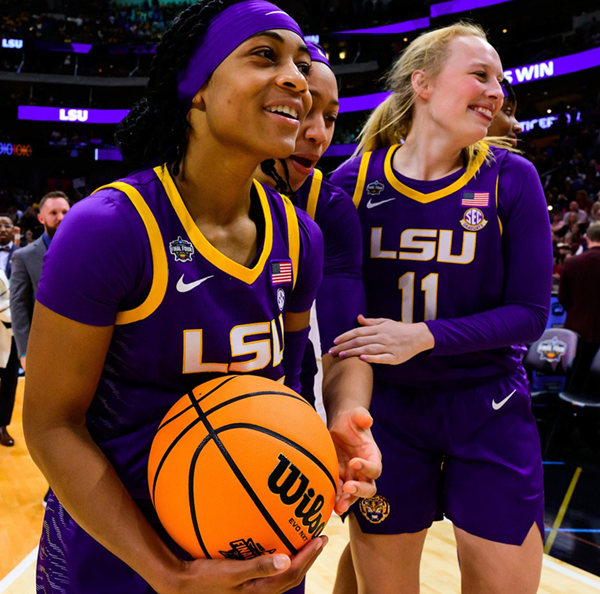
347	387
65	361
297	316
347	383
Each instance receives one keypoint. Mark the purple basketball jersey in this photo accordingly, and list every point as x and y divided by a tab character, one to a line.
341	296
437	251
190	313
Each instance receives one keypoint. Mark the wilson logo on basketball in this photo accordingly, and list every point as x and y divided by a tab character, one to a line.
293	489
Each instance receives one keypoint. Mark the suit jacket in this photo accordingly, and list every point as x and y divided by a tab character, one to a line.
579	293
26	269
5	322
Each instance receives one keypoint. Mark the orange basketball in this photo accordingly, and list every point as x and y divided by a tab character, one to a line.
242	466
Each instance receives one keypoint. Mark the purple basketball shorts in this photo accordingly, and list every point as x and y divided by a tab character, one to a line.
472	455
70	561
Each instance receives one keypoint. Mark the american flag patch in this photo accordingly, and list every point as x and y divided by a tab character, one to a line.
281	272
475	199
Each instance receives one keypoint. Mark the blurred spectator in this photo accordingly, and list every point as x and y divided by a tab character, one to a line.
9	360
582	217
578	293
27	268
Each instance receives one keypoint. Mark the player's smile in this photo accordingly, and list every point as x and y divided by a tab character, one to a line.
485	112
304	164
288	111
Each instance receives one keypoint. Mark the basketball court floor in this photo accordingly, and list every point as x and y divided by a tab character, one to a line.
572	530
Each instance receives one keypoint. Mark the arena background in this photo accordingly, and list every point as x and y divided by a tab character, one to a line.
70	69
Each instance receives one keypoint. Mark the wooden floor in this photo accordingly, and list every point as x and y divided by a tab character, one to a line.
22	488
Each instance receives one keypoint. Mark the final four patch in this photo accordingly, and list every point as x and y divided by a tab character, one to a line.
375	509
182	250
552	350
375	188
473	220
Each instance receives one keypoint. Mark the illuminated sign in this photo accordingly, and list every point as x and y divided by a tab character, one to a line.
9	149
73	115
393	29
66	114
55	46
12	43
454	6
435	10
362	102
546	122
554	67
107	154
313	38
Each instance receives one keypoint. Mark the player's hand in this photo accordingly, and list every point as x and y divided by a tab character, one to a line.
358	455
267	574
380	340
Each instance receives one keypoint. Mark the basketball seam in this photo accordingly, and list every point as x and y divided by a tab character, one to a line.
226	455
228	379
226	403
168	451
251	395
286	440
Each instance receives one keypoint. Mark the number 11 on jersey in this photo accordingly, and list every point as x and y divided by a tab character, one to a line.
429	286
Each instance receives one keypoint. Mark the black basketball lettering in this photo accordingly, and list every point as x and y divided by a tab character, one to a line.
284	489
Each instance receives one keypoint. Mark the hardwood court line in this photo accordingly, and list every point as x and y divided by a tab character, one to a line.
562	510
18	571
570	573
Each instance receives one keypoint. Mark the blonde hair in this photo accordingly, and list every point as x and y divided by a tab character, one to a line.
391	121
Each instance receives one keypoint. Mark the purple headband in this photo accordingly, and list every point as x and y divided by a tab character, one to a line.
226	31
317	53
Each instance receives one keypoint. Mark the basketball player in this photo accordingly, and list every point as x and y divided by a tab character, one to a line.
505	123
144	285
347	383
457	269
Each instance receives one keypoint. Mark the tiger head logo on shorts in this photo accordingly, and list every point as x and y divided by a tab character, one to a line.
375	509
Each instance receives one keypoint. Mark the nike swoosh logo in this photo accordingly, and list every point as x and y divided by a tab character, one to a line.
183	287
499	405
371	204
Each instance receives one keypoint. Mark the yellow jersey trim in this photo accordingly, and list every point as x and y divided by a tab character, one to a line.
470	171
313	195
497	213
160	270
293	236
212	254
360	180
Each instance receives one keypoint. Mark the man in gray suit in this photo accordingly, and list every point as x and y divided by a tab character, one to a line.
26	268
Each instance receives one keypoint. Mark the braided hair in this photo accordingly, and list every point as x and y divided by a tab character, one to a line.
155	130
282	184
